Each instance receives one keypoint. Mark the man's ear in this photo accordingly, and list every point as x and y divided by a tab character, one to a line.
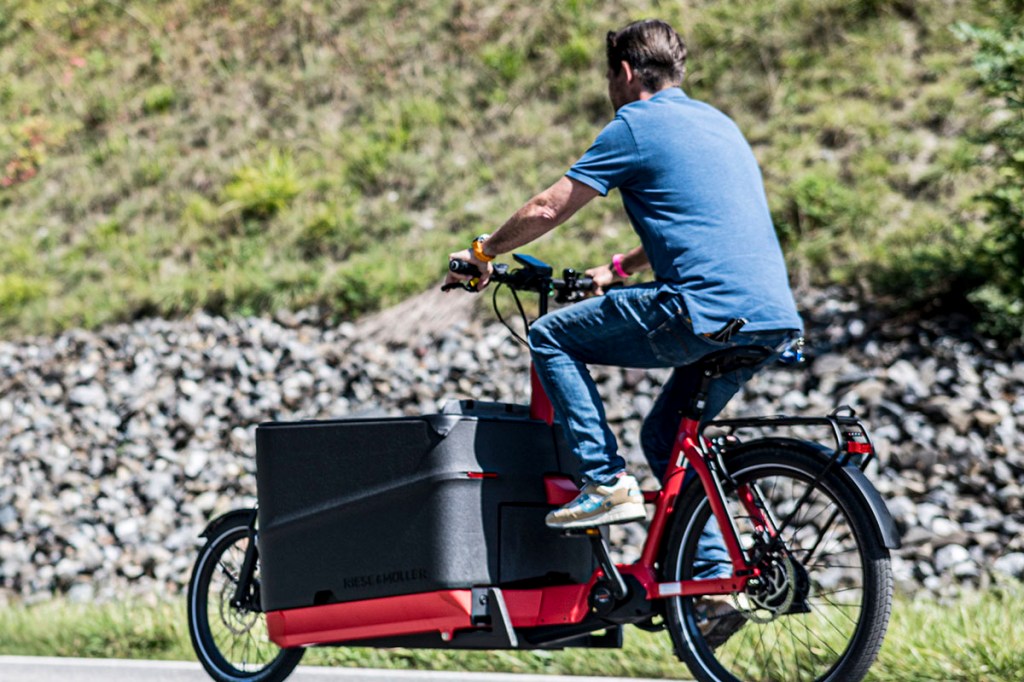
628	69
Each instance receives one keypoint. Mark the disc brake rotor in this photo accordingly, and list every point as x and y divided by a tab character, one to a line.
237	620
773	592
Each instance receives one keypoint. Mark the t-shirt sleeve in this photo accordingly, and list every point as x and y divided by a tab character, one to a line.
610	161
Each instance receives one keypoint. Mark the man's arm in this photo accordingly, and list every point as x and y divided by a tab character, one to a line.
539	215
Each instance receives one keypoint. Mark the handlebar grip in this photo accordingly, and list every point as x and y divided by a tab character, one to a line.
461	267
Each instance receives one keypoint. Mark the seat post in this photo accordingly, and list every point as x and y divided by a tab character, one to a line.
719	363
695	410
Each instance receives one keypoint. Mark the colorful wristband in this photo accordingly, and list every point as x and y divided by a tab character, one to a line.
478	249
617	266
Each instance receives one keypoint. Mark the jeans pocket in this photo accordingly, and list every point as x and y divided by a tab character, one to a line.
675	343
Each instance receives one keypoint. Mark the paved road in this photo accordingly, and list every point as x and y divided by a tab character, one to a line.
40	669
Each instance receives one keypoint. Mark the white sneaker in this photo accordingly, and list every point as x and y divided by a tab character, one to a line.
597	505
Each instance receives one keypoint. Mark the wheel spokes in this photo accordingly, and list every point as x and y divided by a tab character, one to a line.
239	634
801	625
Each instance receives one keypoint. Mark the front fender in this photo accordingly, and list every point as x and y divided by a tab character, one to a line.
240	516
884	523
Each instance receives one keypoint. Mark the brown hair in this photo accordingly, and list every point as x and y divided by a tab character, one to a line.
652	49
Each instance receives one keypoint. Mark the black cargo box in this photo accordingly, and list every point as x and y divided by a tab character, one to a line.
364	508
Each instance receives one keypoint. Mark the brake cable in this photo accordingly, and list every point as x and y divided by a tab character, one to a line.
522	314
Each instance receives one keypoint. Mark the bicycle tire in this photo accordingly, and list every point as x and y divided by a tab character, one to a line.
838	606
231	643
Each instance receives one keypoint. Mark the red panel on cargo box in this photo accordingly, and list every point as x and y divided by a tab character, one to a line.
556	605
442	611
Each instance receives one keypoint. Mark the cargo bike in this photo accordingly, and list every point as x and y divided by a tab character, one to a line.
428	532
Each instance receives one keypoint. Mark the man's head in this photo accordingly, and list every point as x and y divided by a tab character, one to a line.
646	56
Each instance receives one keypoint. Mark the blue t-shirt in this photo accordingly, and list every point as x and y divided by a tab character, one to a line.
694	193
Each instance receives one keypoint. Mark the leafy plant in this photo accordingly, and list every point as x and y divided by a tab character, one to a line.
17	291
507	61
818	200
264	189
999	61
158	99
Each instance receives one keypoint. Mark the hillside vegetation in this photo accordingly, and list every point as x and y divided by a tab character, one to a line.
158	157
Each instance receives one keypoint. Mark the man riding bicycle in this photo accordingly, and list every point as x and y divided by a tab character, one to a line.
694	194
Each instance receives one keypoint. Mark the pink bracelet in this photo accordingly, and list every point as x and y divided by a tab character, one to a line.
617	266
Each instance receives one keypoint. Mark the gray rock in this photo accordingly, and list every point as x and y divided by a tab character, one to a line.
951	556
902	509
944	528
907	377
81	593
88	395
1010	564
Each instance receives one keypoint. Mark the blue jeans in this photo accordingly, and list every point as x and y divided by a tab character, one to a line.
643	326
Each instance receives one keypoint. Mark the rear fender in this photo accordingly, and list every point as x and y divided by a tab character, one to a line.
884	523
241	516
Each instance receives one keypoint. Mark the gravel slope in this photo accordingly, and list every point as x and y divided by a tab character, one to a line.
116	446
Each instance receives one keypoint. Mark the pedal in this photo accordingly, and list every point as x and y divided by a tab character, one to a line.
580	532
604	559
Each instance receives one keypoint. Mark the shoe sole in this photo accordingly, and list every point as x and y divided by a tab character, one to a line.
723	629
623	513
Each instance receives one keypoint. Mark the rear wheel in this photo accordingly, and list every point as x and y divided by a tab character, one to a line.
231	641
820	607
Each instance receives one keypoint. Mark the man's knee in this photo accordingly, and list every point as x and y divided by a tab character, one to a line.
540	337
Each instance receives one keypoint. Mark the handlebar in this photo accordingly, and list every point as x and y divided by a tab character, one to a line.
463	267
535	276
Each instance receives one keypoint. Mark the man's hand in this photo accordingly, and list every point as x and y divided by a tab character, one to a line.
627	265
467	255
603	277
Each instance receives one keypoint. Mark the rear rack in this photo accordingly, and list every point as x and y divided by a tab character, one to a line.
851	438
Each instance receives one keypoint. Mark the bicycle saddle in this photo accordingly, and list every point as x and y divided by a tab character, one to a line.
730	359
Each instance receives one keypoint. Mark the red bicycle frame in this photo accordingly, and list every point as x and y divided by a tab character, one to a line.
689	450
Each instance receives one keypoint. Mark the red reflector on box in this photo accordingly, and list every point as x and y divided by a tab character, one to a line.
481	474
858	448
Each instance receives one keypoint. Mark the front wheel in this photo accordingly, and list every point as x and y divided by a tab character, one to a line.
231	641
818	610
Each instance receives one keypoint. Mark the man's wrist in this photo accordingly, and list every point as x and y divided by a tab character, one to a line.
478	249
617	266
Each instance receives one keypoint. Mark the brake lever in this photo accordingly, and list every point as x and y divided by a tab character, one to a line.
468	286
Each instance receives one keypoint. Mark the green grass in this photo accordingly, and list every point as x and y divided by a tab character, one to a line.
978	636
159	157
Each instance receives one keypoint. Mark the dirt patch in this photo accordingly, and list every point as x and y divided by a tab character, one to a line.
426	314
